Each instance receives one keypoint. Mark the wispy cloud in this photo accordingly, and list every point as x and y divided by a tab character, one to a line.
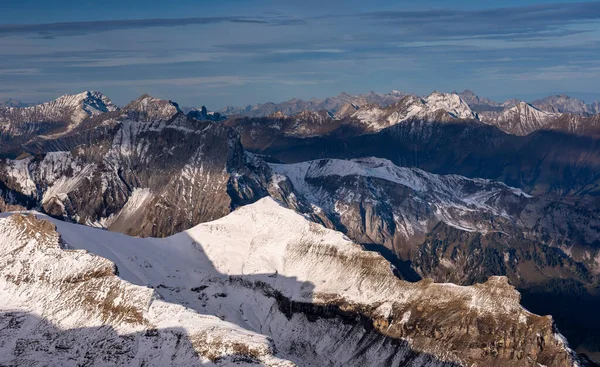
52	30
19	71
541	21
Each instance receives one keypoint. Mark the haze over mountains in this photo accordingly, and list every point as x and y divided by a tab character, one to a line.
271	229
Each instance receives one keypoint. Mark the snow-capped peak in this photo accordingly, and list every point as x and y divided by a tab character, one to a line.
71	108
91	102
451	103
523	119
437	107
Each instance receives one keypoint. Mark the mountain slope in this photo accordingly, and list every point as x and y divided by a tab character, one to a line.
460	230
146	170
521	119
375	202
542	162
279	284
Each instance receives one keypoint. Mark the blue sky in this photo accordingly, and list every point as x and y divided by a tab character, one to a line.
218	53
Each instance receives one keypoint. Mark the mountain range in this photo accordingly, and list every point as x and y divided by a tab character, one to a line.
376	229
556	103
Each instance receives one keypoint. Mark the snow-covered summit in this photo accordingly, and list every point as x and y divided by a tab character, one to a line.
439	107
451	103
91	102
522	119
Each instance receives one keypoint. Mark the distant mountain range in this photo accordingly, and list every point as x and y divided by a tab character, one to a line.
14	103
557	104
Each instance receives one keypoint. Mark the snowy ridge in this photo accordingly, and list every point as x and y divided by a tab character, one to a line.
224	267
451	197
331	104
73	107
78	292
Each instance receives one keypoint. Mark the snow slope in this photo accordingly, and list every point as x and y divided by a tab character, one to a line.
264	282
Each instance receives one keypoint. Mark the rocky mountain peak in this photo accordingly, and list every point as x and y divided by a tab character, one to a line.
153	108
203	114
277	115
452	103
562	103
478	103
347	110
314	115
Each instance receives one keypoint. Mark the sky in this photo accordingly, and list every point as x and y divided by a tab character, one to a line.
239	52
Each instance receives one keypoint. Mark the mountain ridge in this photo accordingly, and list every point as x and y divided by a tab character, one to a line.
277	271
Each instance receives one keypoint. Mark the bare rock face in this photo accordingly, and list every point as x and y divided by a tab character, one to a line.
147	170
261	285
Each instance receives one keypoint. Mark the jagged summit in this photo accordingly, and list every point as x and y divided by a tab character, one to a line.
451	103
521	119
562	103
203	114
152	108
440	107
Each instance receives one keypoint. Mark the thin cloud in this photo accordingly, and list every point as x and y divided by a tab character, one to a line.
512	23
19	71
52	30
